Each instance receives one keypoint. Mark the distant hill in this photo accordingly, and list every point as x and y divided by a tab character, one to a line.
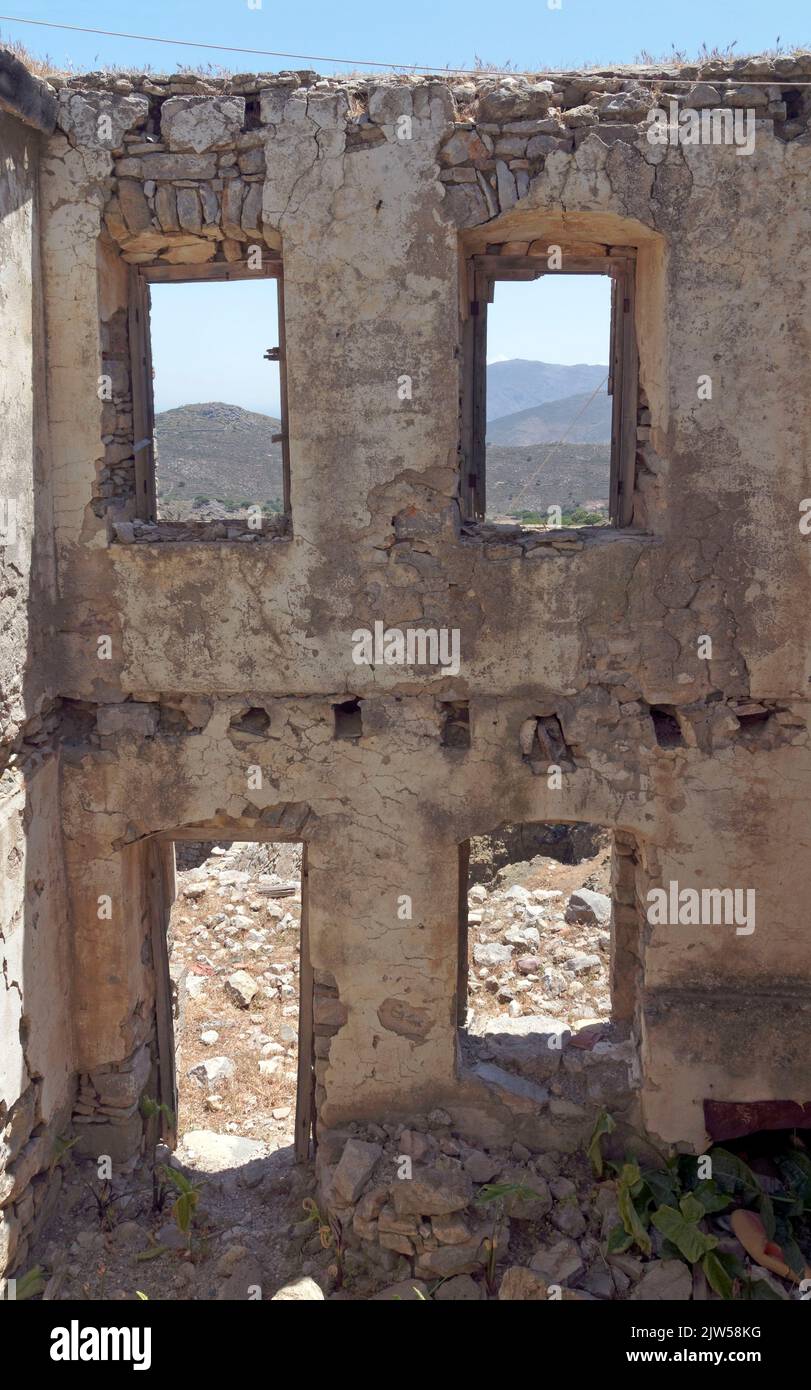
216	451
519	384
576	475
213	459
554	421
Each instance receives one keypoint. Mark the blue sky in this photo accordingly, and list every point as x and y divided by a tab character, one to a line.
560	321
559	318
209	341
421	31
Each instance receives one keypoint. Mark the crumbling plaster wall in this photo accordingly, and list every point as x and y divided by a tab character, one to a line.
593	628
36	1084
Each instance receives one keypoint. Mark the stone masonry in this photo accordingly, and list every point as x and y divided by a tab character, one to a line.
132	651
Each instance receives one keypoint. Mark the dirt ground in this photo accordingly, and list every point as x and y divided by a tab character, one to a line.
238	909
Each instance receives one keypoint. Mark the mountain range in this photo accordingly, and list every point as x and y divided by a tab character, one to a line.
520	384
214	459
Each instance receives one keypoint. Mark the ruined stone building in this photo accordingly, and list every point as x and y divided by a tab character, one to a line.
660	664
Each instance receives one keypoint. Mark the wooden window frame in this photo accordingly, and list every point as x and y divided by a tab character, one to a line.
143	402
483	273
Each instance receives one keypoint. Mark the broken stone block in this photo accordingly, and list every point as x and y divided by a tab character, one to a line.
466	205
328	1012
251	216
272	102
123	1088
138	720
301	1291
244	1279
355	1167
179	166
666	1280
702	94
542	145
213	1069
533	1202
589	909
201	123
500	106
252	161
532	1044
522	1285
99	120
507	191
197	254
188	210
232	198
453	1259
560	1263
460	1288
625	106
393	1240
119	1141
242	988
450	1230
134	206
491	953
386	104
465	145
432	1192
480	1166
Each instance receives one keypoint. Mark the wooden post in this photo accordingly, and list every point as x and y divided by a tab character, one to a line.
160	861
462	958
143	420
305	1089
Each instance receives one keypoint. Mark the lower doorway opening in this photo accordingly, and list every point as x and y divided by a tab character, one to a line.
542	907
539	923
234	942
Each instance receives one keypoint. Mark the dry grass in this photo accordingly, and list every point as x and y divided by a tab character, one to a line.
40	67
45	66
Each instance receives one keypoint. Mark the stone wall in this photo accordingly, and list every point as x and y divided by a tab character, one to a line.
374	192
36	1080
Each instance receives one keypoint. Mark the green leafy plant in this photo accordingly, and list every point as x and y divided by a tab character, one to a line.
61	1148
330	1233
29	1285
673	1200
152	1109
495	1193
185	1204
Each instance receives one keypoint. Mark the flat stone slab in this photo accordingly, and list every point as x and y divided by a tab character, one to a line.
216	1152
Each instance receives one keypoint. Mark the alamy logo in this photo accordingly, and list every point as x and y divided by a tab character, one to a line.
75	1343
416	646
705	907
715	126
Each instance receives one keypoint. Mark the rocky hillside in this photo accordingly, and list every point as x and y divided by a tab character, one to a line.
215	459
216	453
573	476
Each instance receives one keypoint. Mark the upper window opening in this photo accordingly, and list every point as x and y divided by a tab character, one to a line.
209	397
550	387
